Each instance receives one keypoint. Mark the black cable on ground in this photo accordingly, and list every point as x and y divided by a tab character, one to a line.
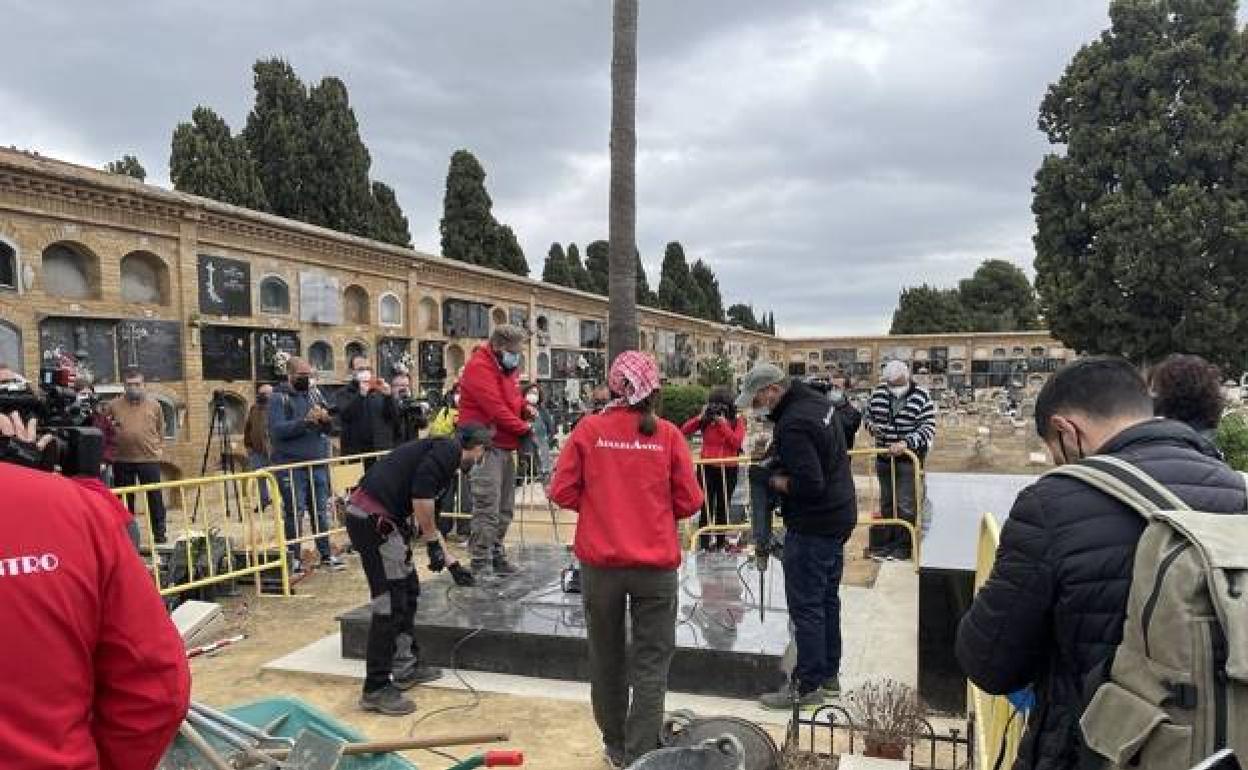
444	755
476	695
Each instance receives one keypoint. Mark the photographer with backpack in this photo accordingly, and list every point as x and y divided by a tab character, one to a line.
1084	549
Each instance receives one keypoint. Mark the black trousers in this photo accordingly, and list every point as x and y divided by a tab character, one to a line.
612	598
130	474
718	483
394	588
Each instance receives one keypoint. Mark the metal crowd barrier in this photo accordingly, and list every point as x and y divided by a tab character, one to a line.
997	729
892	518
316	482
217	528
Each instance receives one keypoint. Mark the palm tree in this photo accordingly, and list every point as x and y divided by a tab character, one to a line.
622	224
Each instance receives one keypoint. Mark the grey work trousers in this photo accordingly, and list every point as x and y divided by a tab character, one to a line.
493	485
612	598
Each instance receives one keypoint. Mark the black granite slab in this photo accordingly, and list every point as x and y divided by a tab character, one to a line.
728	643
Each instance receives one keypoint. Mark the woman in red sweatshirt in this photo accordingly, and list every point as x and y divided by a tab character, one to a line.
629	476
723	433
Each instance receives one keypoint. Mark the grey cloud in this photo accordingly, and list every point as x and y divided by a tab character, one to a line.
819	154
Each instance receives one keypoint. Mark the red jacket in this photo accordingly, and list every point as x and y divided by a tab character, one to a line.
95	674
490	396
629	490
719	439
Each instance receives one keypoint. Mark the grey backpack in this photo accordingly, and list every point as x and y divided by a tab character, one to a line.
1178	687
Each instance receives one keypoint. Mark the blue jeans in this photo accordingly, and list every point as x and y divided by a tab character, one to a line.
812	580
302	494
255	462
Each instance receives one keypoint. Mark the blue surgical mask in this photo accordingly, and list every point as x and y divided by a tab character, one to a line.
509	360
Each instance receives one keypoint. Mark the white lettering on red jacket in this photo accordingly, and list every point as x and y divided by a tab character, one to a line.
13	566
628	445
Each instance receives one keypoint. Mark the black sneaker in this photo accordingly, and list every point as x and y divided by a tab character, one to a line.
832	687
414	674
614	756
782	700
503	567
389	701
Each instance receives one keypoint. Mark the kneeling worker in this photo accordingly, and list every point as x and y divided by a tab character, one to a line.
400	486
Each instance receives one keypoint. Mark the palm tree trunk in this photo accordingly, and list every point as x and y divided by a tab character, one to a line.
622	226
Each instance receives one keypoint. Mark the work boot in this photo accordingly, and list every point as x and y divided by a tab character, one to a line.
503	567
413	674
481	568
832	687
782	699
389	701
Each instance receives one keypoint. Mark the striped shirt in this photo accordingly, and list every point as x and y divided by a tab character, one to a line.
911	418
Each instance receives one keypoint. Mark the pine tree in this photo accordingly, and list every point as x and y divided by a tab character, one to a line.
336	192
277	137
555	270
712	307
1141	248
129	166
597	266
928	310
206	160
387	221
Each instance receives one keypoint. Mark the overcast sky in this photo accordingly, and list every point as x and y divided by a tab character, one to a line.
819	154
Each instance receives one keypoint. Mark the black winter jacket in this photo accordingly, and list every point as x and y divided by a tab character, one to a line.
1053	609
368	420
809	444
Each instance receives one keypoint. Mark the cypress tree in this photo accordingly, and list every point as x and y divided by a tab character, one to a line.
555	271
388	223
277	137
336	192
597	266
677	291
712	306
129	166
206	160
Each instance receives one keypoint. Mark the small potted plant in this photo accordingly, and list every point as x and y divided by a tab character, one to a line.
889	715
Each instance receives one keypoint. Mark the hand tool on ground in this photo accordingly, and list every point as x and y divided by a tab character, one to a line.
205	750
408	744
492	759
195	652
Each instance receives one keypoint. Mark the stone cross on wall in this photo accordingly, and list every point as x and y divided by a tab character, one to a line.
133	334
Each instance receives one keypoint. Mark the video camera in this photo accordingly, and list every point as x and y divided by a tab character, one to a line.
715	409
77	449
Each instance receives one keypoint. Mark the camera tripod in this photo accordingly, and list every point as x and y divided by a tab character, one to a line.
219	431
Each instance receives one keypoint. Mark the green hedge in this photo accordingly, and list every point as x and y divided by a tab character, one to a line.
680	402
1232	439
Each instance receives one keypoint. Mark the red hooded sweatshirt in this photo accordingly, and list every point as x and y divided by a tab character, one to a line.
629	490
489	396
95	674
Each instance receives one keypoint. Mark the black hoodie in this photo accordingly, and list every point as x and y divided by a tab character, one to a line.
809	443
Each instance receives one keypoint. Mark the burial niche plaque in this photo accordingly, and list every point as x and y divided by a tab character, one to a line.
224	286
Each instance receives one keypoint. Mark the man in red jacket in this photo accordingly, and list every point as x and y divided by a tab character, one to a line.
94	672
489	394
629	476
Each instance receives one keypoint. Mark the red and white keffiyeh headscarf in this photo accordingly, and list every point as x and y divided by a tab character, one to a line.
633	377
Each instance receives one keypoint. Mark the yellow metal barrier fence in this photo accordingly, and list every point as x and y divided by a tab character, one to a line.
213	523
304	491
891	518
997	728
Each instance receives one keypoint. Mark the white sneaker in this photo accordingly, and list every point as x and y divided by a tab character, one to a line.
296	567
336	564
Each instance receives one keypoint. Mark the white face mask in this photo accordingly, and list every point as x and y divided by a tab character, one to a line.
363	376
898	390
836	395
531	398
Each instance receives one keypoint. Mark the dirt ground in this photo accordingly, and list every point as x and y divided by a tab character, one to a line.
555	734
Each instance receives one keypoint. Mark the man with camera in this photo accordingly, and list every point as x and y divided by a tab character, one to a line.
366	412
411	413
300	424
400	487
812	476
95	673
140	443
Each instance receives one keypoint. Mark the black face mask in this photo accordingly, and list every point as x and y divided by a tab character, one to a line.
301	384
262	399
